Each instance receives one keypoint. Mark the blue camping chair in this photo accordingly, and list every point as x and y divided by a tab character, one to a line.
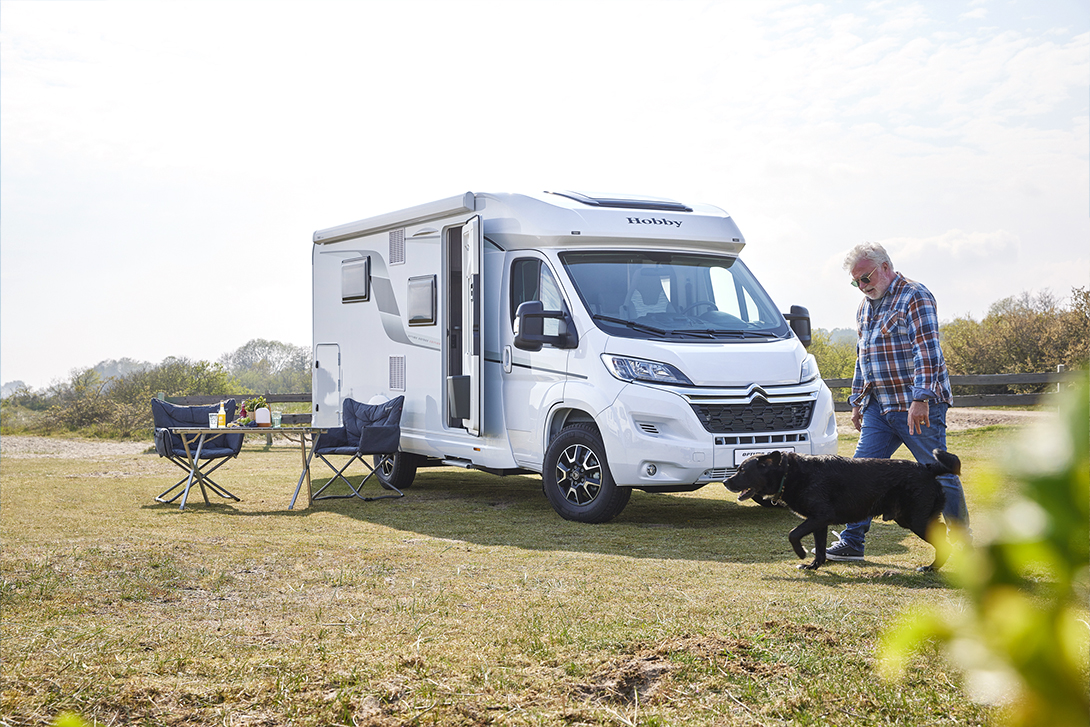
368	429
192	452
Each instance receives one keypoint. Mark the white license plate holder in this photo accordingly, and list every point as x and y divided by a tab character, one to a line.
742	454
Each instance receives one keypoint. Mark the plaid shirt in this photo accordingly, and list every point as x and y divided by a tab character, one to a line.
898	356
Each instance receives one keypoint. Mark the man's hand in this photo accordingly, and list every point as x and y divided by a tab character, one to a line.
857	418
918	417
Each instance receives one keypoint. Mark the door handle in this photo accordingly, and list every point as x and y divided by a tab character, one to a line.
507	359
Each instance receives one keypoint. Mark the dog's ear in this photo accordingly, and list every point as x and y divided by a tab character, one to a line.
775	456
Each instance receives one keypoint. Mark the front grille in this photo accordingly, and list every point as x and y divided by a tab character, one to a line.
757	416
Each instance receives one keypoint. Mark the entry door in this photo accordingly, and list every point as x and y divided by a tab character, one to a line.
472	304
326	385
533	381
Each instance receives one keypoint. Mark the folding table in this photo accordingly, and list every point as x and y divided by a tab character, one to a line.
194	438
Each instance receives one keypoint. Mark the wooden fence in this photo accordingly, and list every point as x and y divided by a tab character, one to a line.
1057	380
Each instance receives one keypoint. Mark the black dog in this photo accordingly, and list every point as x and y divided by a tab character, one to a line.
826	490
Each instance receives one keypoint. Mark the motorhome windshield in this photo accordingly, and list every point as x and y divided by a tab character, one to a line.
679	296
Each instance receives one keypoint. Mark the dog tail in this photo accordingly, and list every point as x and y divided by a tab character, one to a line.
948	463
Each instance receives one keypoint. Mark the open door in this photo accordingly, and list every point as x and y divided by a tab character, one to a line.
473	336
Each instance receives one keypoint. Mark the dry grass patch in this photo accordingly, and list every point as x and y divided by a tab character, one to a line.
468	602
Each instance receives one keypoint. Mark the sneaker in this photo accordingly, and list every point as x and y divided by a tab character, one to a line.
842	551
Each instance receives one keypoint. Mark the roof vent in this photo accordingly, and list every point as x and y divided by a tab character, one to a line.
625	201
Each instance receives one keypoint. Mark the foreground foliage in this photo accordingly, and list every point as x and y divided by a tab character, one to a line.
1023	640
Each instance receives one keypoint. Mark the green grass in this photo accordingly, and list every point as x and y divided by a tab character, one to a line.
468	602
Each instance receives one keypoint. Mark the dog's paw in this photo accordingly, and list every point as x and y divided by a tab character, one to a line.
812	565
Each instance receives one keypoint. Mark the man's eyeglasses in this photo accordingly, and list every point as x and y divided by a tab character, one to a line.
865	279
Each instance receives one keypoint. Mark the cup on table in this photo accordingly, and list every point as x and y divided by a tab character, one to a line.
277	416
213	419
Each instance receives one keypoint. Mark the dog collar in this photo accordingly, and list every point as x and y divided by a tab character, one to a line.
776	498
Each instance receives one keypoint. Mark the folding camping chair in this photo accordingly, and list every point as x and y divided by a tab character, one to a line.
188	451
368	429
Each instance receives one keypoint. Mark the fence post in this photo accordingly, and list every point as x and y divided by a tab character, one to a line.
268	437
1059	384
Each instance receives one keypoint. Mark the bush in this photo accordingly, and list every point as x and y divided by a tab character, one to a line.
114	407
1022	638
1019	335
835	355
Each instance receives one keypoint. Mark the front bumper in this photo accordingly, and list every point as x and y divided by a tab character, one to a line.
668	436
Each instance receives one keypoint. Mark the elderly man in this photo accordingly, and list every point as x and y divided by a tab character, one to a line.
901	388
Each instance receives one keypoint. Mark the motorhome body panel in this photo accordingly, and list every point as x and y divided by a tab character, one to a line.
388	346
386	349
546	221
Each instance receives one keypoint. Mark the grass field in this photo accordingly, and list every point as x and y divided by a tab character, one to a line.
468	602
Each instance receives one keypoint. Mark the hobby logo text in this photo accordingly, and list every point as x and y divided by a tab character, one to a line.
653	221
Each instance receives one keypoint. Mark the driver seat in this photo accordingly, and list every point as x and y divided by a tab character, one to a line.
647	295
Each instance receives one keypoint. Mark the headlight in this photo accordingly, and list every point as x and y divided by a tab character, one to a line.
637	369
809	370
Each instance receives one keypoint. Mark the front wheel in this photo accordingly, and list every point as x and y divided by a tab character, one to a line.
397	471
576	477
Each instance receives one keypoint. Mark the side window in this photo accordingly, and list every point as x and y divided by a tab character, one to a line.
532	280
356	280
726	294
733	297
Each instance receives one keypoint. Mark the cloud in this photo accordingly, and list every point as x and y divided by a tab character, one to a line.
139	137
955	247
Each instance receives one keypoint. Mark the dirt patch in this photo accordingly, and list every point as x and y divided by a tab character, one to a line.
638	678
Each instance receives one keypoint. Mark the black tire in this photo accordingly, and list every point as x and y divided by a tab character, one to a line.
576	477
398	471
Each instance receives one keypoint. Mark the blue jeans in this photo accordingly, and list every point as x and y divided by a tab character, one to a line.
882	434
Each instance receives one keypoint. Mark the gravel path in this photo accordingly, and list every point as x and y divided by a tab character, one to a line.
25	447
965	418
28	447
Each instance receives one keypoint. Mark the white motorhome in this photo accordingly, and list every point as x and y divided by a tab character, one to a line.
607	343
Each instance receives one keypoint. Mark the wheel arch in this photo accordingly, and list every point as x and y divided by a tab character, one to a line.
563	416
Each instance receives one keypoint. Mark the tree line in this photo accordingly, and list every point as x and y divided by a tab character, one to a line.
1021	334
112	398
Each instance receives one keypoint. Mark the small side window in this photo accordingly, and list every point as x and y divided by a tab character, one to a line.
422	301
356	280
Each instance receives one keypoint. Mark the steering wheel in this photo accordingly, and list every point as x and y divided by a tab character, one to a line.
699	303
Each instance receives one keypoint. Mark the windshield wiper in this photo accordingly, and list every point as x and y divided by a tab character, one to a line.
630	324
716	333
709	332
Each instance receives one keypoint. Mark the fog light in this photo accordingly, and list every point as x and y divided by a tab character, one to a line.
651	470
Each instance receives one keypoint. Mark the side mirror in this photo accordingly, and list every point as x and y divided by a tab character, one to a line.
799	320
530	327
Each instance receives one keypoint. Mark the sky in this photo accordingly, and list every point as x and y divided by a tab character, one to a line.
156	153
